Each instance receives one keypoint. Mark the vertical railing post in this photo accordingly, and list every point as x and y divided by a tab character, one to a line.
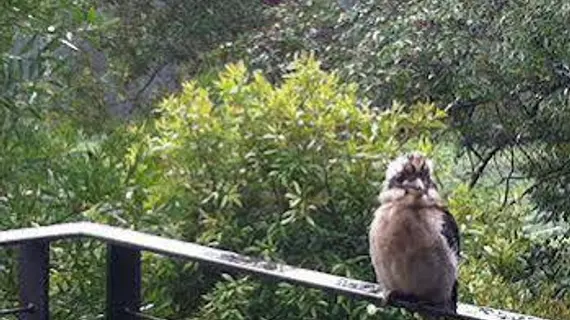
33	274
123	282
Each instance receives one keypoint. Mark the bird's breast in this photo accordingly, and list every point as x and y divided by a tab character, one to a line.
408	253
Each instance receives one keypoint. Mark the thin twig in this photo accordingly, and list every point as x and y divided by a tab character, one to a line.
479	172
552	174
508	181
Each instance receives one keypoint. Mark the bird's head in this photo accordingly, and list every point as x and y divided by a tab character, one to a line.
410	171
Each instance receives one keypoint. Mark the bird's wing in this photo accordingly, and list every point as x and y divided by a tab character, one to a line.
450	232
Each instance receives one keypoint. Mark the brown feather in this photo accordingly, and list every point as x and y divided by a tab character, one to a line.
409	251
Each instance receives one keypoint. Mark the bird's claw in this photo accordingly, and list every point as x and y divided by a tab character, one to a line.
398	297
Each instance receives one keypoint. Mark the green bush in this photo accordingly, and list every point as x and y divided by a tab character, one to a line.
290	173
284	173
52	173
503	82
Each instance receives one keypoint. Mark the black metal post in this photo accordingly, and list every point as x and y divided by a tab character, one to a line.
33	273
123	282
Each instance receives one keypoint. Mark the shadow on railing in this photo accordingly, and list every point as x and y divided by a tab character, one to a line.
124	271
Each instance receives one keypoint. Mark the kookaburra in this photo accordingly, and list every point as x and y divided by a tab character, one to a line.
414	240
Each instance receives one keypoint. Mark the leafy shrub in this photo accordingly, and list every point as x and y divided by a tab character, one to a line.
287	173
52	173
290	173
503	82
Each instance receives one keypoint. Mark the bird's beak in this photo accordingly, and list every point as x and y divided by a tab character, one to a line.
415	184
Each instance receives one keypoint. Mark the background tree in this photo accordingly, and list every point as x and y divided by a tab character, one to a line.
500	69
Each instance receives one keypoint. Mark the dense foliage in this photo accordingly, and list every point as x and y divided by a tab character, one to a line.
500	69
281	156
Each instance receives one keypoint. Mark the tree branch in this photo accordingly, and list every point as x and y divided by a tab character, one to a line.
508	181
479	172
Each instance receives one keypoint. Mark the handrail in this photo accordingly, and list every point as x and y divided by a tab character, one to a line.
138	241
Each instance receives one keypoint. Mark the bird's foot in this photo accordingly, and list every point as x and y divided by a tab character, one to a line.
396	297
412	303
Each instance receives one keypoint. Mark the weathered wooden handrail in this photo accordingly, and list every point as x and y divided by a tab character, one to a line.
124	272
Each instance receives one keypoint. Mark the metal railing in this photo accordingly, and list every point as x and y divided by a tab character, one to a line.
124	271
